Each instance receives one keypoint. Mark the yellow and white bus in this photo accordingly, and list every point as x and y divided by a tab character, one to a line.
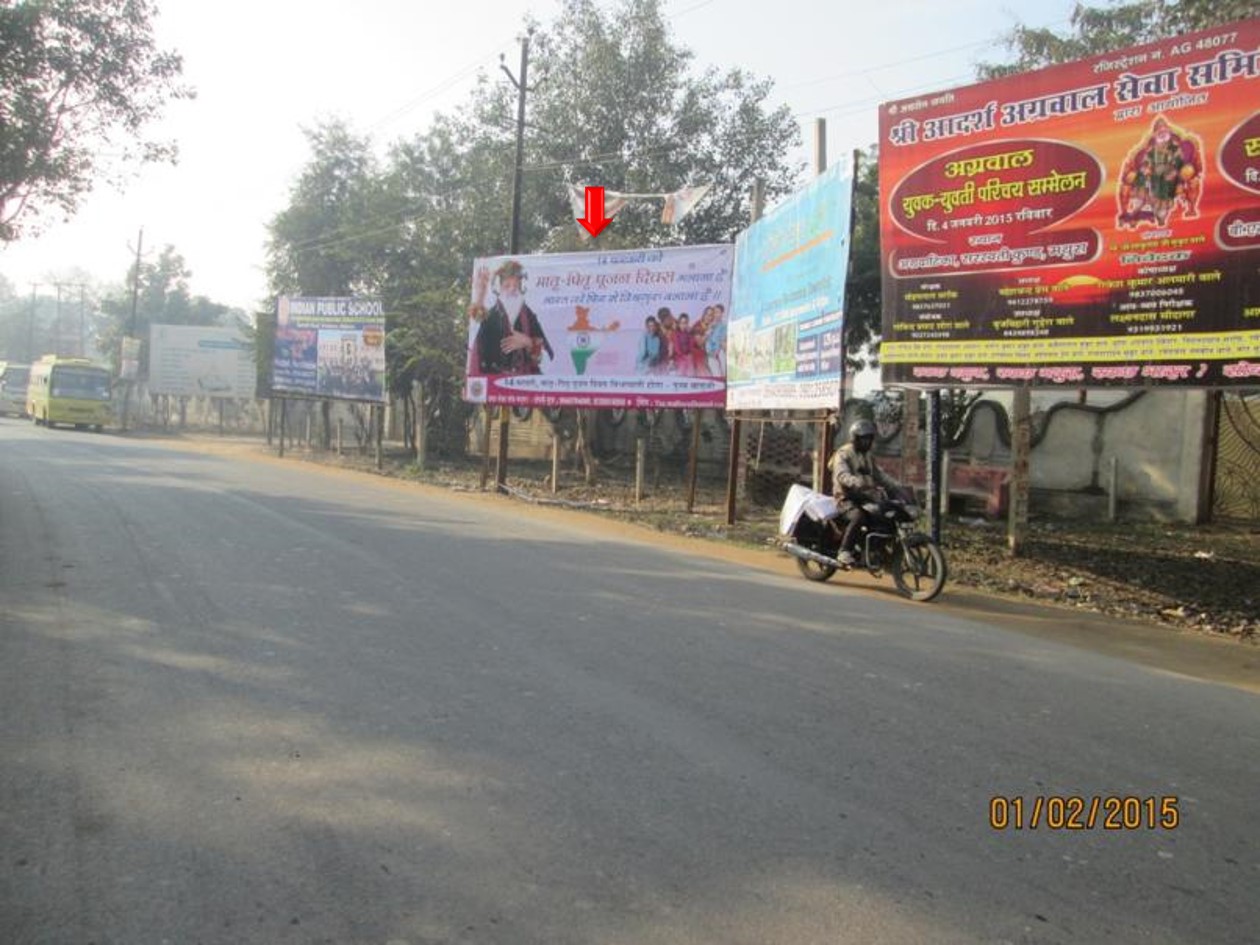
69	390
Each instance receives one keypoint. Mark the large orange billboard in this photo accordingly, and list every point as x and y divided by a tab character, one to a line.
1090	224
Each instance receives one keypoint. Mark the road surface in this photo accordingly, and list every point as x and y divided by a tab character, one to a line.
249	701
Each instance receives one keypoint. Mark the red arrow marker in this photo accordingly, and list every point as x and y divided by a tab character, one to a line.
594	221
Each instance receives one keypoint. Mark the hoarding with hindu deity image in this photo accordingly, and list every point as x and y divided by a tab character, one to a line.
625	328
1090	224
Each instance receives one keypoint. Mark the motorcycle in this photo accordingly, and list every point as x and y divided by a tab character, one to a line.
811	529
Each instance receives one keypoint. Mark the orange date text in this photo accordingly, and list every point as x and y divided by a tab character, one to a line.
1081	812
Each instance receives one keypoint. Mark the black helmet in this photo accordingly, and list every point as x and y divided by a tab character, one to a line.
861	427
862	435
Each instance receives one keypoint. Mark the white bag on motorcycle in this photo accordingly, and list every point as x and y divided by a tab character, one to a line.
802	500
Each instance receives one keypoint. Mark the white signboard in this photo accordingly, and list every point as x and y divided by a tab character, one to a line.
197	361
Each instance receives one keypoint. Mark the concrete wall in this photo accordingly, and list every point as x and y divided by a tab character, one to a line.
1157	439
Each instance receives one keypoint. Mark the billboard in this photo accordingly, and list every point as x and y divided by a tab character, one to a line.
785	346
1091	224
330	347
191	361
636	328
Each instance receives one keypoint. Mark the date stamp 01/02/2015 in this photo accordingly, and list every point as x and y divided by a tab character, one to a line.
1080	812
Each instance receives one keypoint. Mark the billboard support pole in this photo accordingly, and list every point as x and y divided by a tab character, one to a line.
1021	445
693	461
757	199
500	469
283	412
822	442
934	463
379	433
486	419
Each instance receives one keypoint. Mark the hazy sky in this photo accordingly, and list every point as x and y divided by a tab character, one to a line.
265	68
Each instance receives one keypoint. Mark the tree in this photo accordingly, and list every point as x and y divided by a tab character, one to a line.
1096	30
612	100
617	103
328	240
162	298
79	79
863	289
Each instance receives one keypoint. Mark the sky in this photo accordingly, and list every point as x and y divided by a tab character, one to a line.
264	69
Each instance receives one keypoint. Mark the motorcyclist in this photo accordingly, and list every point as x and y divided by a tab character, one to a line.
856	478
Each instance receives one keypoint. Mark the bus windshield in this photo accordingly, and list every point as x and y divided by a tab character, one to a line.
80	383
15	376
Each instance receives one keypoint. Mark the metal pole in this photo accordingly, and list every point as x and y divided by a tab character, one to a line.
934	463
514	242
1021	444
284	412
693	460
555	462
30	328
640	467
131	325
487	418
1113	498
380	437
822	439
757	200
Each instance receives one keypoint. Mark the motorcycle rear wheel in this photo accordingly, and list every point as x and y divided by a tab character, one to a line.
815	570
918	570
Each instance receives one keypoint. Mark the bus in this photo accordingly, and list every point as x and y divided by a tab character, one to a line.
13	388
69	390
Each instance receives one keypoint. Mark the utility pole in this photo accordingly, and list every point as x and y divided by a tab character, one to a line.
135	285
60	333
30	327
514	240
131	327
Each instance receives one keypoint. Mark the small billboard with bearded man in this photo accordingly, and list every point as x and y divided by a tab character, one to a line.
629	329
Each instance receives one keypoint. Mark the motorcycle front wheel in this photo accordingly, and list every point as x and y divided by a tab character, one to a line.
918	570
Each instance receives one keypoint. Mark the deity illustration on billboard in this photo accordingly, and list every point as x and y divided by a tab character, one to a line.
1164	171
510	338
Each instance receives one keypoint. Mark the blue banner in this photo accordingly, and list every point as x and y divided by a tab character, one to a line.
785	344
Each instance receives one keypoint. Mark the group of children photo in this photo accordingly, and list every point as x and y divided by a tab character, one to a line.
673	345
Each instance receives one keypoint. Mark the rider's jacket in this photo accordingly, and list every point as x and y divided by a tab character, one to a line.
855	476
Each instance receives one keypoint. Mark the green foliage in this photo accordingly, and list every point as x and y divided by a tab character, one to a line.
79	79
1097	30
611	100
327	241
863	288
161	297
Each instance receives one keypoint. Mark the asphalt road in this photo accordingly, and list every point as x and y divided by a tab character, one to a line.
260	702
